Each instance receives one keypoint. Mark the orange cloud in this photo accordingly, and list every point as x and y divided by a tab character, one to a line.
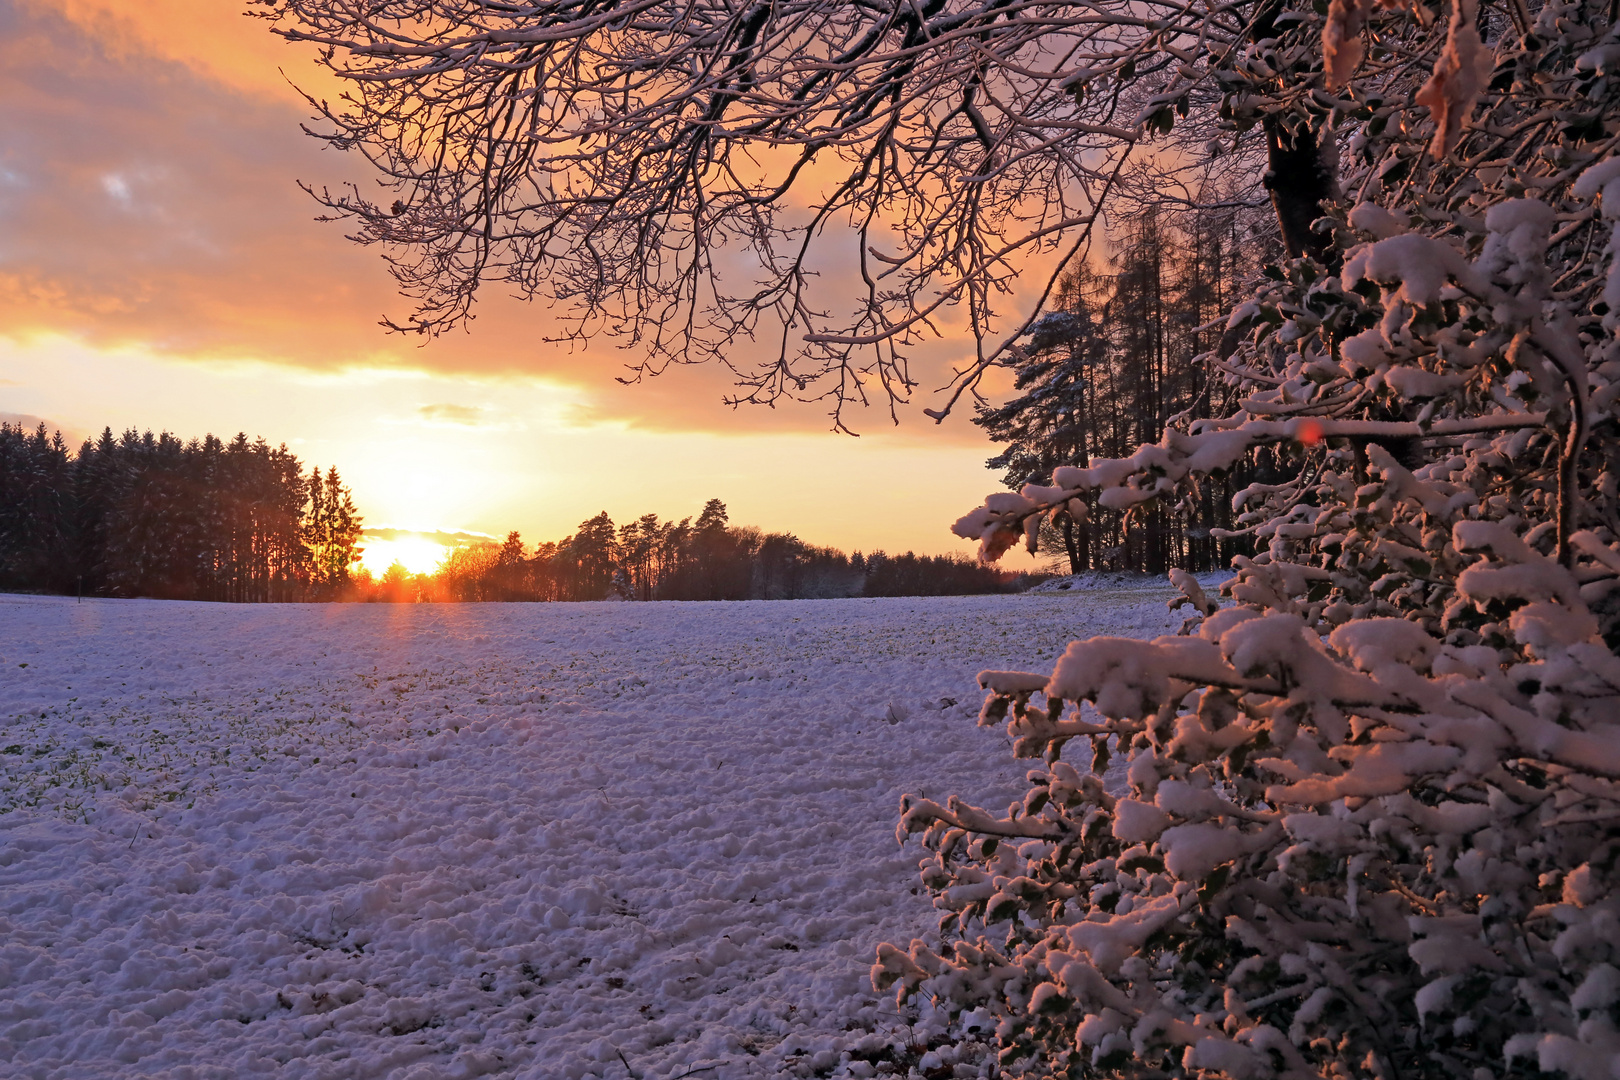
216	41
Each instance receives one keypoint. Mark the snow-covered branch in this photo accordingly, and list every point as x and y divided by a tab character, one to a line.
1369	816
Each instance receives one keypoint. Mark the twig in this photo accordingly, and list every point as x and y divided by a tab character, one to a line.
699	1069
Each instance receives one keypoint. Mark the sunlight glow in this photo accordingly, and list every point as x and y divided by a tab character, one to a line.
417	554
440	459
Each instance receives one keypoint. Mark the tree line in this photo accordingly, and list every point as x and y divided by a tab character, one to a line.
703	559
242	521
152	515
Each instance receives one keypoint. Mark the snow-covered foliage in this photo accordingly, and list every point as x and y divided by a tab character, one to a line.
1371	824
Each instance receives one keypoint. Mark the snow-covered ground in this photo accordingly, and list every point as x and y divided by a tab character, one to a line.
549	841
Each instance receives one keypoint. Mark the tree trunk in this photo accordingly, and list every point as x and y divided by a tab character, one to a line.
1071	545
1299	182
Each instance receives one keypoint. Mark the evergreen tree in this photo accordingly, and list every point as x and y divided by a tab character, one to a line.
510	569
35	515
332	529
98	479
151	515
1122	357
1051	422
589	556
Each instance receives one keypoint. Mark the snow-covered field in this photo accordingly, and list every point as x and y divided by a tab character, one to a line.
549	841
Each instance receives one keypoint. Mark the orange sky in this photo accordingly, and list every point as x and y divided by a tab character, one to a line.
160	268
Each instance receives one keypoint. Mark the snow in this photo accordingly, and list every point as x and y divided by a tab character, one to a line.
1089	583
1599	990
1372	218
1420	264
1516	244
1192	851
1413	383
1603	179
1138	822
1228	1057
1108	945
552	840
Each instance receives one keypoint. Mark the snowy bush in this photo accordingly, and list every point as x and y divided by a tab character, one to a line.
1368	821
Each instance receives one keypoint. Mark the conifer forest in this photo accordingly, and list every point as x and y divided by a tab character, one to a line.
145	515
1122	357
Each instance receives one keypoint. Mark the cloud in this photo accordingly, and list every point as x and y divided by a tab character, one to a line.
468	415
213	40
442	537
149	159
151	207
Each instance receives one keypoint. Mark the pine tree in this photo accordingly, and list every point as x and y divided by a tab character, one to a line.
590	558
332	530
151	515
36	523
1123	356
509	569
1051	422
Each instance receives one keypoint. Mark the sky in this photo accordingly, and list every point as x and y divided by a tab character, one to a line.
160	268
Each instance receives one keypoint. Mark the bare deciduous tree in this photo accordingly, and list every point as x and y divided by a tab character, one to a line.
679	172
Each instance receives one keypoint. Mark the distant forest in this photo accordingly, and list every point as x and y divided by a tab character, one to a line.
706	559
145	515
152	515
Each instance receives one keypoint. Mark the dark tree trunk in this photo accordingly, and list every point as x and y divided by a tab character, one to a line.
1299	183
1071	545
1296	176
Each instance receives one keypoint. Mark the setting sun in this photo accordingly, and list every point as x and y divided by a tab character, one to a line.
418	554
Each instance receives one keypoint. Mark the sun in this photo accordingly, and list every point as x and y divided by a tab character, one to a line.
418	554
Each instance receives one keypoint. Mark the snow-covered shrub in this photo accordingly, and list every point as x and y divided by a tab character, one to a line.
1369	818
